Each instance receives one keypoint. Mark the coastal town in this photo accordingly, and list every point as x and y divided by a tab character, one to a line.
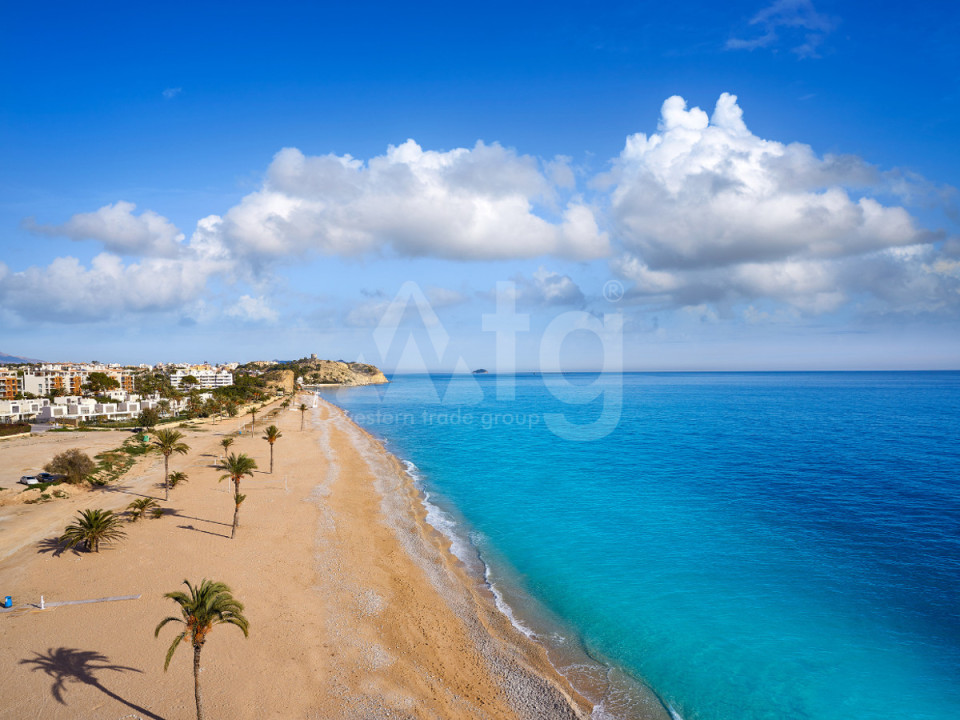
112	395
83	393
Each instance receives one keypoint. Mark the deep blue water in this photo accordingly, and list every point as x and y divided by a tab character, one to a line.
751	545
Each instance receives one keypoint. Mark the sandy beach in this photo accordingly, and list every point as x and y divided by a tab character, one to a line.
356	607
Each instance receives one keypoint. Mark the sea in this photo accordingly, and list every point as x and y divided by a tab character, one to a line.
739	546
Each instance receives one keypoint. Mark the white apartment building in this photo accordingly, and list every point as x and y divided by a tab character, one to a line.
70	378
208	379
45	381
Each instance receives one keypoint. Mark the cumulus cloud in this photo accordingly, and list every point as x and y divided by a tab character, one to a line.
916	280
120	231
705	191
464	204
171	93
543	287
67	291
411	304
702	213
798	20
556	289
368	313
707	211
253	309
441	297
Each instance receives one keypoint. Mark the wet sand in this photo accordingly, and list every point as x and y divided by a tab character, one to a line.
356	607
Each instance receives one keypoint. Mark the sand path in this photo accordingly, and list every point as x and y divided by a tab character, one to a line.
356	609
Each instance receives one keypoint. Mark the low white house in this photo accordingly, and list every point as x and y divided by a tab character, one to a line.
74	409
21	410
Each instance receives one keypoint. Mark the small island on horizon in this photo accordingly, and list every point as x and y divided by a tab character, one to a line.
480	371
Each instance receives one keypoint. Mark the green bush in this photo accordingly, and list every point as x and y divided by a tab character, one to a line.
75	465
8	429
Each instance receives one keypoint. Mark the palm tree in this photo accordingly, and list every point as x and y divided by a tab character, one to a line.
167	443
92	528
177	477
238	499
138	508
303	410
194	404
209	604
253	413
272	435
226	443
237	466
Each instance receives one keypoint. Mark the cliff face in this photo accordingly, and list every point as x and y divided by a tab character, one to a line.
315	372
323	372
281	380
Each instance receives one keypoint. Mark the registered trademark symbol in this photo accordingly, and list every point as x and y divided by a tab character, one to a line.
613	290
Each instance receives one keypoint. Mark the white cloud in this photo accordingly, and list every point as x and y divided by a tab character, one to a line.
707	211
914	281
464	204
417	306
171	93
254	309
368	313
120	231
441	297
66	291
701	213
798	19
707	192
556	289
542	288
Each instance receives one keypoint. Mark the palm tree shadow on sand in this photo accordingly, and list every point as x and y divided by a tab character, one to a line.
177	513
54	546
201	530
66	665
127	490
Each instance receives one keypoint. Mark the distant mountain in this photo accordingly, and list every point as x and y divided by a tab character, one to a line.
13	359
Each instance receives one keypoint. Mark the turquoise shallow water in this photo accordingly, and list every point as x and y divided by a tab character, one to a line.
752	546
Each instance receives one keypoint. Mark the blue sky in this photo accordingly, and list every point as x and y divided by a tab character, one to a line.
187	182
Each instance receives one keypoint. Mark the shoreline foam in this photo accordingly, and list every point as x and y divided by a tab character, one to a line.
632	699
534	682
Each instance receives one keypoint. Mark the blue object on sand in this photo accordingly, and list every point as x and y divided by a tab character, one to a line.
7	601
